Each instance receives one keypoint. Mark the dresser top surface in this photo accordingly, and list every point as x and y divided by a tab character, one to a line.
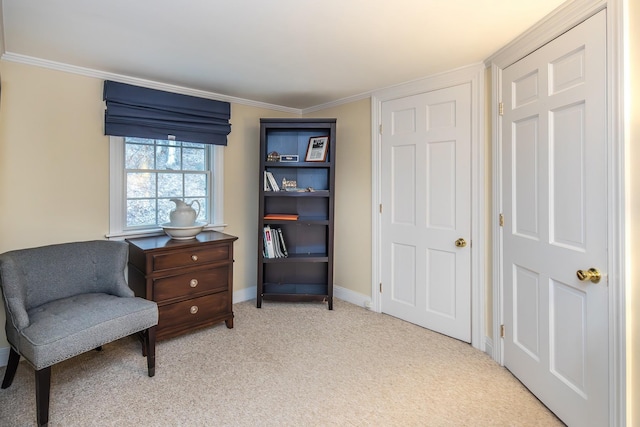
165	242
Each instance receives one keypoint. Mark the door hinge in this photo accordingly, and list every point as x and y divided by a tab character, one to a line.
501	220
501	108
501	331
380	129
380	207
380	287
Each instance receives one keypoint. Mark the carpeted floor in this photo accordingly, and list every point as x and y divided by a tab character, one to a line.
286	364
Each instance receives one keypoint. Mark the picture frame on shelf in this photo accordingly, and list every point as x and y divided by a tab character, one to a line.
317	149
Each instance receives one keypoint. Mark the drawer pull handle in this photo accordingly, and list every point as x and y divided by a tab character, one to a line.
193	283
194	257
193	309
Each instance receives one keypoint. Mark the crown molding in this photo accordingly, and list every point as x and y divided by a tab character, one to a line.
89	72
435	81
337	103
557	22
444	78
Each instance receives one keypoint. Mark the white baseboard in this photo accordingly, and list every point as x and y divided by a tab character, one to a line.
488	346
245	294
352	297
344	294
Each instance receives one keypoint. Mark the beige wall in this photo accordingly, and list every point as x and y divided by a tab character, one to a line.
54	168
352	266
241	187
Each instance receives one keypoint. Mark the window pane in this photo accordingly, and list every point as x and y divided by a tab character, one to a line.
138	156
195	185
134	140
141	212
168	157
169	185
141	185
193	145
193	159
173	169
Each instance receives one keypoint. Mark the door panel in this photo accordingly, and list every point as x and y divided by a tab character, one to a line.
568	180
441	267
554	201
425	193
525	179
403	269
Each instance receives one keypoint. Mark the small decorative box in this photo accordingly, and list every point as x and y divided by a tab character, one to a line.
288	157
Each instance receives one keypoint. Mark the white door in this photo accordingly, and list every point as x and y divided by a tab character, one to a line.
426	203
555	223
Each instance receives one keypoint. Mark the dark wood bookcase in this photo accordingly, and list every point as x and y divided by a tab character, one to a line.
306	272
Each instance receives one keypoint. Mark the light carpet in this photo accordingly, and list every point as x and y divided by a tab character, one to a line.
286	364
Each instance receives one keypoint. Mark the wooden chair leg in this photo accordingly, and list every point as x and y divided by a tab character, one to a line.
12	367
43	386
142	336
150	345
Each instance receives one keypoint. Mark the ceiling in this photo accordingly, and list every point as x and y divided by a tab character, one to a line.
290	53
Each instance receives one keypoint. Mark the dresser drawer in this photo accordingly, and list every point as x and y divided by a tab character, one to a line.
195	282
191	257
187	314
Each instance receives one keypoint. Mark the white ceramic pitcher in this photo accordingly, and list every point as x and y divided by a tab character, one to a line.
184	215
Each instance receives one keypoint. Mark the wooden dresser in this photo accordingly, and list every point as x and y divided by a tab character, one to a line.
191	280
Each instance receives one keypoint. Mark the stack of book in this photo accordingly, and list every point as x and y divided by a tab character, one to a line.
274	246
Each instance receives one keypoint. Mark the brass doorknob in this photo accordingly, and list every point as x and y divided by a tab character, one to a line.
461	243
591	274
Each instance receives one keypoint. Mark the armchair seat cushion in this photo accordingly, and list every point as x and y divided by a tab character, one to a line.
66	327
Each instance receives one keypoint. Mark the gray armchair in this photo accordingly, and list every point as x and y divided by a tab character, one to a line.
63	300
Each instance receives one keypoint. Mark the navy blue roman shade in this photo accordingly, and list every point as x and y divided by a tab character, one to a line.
149	113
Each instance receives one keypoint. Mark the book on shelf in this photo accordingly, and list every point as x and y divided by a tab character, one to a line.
272	181
274	246
281	216
277	250
267	187
283	246
269	250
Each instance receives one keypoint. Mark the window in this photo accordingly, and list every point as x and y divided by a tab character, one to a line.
147	173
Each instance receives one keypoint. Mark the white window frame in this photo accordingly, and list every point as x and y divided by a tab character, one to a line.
117	192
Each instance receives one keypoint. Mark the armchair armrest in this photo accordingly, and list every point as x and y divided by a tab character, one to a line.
15	292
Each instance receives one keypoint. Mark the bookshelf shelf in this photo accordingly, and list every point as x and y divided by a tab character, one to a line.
321	193
295	256
301	221
298	165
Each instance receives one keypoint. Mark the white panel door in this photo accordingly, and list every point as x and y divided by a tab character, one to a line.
555	223
426	198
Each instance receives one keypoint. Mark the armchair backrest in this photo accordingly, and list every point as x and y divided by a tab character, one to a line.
32	277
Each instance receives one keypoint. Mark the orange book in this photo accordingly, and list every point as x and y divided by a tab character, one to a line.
289	217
